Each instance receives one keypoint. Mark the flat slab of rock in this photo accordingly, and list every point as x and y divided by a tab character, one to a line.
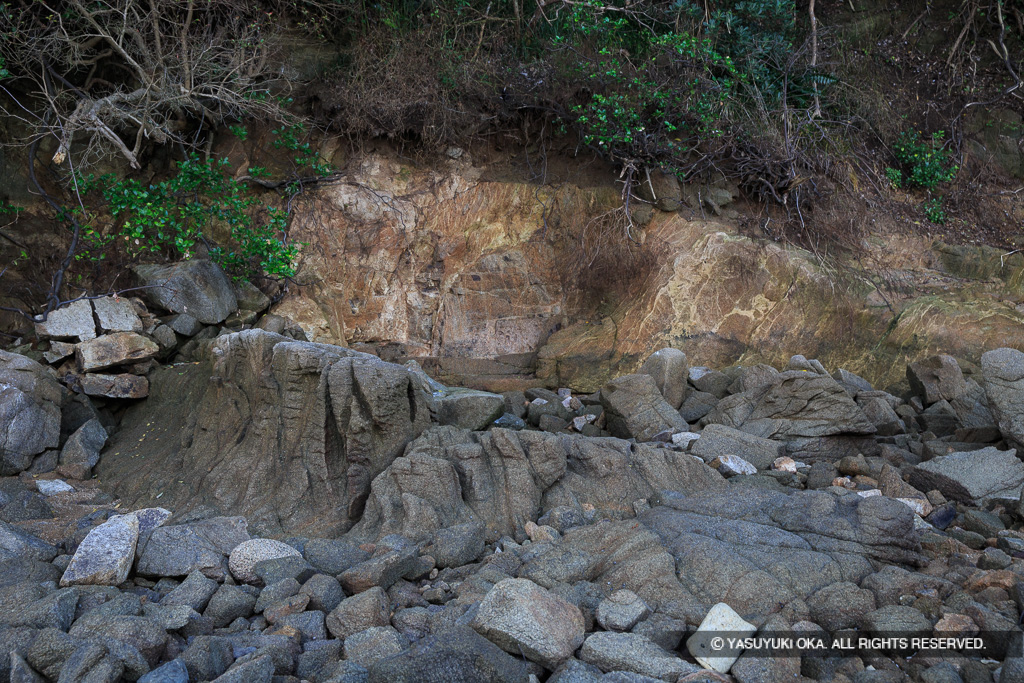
635	653
1003	370
73	321
197	287
117	315
521	617
717	440
106	554
53	487
972	477
114	386
118	348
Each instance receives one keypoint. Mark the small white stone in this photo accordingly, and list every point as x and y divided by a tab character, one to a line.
721	619
784	464
869	493
731	465
683	439
539	402
920	506
51	487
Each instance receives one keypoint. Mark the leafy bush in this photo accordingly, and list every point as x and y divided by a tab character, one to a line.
172	216
925	164
934	210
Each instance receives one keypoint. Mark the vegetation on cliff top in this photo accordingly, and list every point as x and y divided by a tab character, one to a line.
750	90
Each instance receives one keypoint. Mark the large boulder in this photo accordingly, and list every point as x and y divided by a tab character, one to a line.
114	349
81	451
469	409
669	369
1003	370
972	477
197	287
793	405
289	434
636	408
936	379
30	400
182	549
458	654
105	556
523	618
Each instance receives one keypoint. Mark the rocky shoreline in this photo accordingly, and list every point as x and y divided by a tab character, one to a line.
279	510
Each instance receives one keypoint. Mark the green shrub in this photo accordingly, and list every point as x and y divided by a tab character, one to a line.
172	216
925	164
934	210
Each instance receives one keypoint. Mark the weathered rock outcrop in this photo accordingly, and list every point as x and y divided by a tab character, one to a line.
288	433
30	400
505	479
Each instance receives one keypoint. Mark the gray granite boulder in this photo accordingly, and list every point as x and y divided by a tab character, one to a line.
81	451
197	287
795	405
457	654
669	369
469	409
972	477
182	549
1003	372
522	618
30	400
636	408
106	555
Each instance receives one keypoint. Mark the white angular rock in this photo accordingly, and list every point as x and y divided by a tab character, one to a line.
731	465
920	506
117	315
524	619
684	439
73	321
722	619
784	464
245	556
869	493
105	557
51	487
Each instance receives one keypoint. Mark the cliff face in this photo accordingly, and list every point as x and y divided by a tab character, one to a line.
469	275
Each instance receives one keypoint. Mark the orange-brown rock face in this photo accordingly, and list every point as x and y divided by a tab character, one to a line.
469	276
